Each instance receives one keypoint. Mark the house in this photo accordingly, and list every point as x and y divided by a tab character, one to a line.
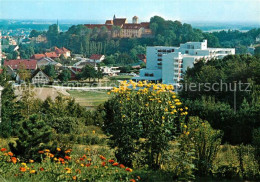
39	77
41	38
28	64
168	64
52	55
48	61
97	58
38	56
110	71
62	51
81	60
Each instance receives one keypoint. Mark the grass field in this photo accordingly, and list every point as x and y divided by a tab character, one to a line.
89	99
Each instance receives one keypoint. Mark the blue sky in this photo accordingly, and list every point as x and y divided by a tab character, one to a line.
183	10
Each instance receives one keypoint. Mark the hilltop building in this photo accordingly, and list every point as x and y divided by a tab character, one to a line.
167	64
120	28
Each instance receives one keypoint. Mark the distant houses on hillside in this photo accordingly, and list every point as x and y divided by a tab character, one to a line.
53	54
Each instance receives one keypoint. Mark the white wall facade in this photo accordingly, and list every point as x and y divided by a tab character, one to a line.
168	64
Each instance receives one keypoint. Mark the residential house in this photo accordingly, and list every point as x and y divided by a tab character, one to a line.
28	64
110	71
62	51
97	58
48	61
39	77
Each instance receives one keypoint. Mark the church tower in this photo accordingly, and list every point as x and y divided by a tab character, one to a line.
58	25
114	17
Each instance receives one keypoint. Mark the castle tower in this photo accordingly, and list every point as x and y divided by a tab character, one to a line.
135	19
114	17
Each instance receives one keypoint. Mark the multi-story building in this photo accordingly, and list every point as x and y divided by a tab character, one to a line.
119	27
168	64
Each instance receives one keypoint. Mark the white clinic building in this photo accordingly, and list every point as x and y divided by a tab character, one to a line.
167	64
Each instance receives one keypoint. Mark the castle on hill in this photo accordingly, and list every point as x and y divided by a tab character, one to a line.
120	28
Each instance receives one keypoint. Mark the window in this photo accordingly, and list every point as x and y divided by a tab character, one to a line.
159	59
186	52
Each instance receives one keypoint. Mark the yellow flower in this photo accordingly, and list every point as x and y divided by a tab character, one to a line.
185	126
163	117
93	131
58	149
166	110
32	171
31	161
82	165
23	164
108	93
187	133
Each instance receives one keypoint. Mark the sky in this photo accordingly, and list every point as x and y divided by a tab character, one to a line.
183	10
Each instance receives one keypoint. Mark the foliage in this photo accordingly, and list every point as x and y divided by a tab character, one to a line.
50	71
65	75
147	120
34	135
206	144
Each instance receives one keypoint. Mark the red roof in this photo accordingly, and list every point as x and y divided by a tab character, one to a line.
38	56
51	54
131	26
96	56
145	24
30	64
119	21
109	22
63	50
92	26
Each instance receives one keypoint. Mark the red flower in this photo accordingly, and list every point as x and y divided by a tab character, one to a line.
132	180
41	169
10	154
111	161
129	169
67	157
103	164
121	166
89	164
82	159
3	149
102	157
22	169
115	164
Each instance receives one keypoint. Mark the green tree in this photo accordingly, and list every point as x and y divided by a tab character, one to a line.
65	75
34	135
50	71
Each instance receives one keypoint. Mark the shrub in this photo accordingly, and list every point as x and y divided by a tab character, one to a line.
34	135
146	118
206	142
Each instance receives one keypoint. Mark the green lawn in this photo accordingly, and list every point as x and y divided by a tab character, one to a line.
90	99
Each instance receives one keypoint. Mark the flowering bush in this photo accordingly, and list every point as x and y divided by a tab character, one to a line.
88	167
143	117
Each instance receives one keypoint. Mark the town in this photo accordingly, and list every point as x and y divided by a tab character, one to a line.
129	91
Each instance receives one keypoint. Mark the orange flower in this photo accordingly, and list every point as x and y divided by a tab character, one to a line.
41	169
10	154
103	164
84	156
115	164
74	177
82	159
58	149
67	157
121	166
14	160
22	169
102	157
32	171
68	151
47	150
138	177
111	161
41	152
129	169
132	180
3	149
51	155
61	159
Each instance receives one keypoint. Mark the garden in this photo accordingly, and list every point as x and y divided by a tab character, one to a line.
142	132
